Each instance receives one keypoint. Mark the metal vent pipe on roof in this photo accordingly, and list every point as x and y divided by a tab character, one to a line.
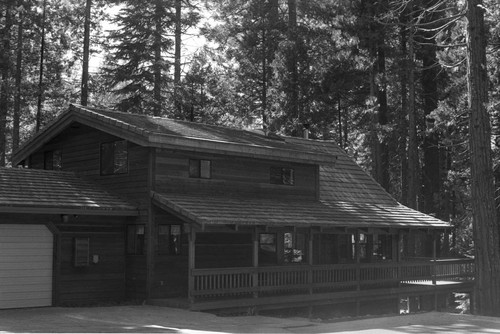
306	130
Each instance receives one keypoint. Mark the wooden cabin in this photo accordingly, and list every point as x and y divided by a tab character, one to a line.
110	206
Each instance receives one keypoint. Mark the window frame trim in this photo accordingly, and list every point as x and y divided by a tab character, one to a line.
101	173
199	161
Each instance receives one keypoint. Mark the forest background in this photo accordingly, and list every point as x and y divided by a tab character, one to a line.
386	80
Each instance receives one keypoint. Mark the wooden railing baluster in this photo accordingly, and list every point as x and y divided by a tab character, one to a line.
317	278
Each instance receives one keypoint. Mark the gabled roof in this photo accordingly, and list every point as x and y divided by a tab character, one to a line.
168	133
41	191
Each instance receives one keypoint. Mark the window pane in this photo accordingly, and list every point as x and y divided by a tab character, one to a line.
294	247
280	175
57	160
175	239
120	157
300	248
275	174
82	252
205	169
135	239
48	160
169	239
163	239
288	240
107	164
194	168
267	248
287	176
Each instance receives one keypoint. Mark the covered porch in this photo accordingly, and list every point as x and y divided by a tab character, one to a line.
263	264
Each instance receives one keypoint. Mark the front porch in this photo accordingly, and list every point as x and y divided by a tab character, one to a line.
305	285
262	261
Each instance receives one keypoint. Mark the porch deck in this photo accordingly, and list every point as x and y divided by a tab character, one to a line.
303	285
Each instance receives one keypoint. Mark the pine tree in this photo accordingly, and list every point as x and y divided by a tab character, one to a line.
136	66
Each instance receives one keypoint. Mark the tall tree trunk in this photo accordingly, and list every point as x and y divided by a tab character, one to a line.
177	56
4	85
402	123
157	109
40	79
383	159
293	99
264	81
19	73
270	13
413	161
431	172
486	238
86	54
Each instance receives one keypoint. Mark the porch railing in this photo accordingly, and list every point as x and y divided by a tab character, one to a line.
262	281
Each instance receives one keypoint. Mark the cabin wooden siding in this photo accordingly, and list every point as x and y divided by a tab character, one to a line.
232	176
101	282
80	147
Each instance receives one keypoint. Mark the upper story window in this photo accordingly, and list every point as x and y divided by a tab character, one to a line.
282	175
114	157
200	168
52	160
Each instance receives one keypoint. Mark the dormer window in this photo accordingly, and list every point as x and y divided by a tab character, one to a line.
282	175
114	157
200	168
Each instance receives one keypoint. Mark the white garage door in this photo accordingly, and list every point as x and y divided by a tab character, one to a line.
25	266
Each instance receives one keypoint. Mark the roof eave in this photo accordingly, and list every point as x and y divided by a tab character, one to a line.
70	211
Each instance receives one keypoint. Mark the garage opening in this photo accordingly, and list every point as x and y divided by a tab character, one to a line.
26	260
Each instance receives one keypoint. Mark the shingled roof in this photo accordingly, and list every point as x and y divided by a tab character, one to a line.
221	210
41	191
348	195
162	132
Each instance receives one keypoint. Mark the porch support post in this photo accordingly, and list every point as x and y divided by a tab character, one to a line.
434	269
358	271
191	263
434	257
255	262
310	263
399	254
310	259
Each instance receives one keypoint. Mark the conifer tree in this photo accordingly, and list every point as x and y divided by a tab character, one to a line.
136	64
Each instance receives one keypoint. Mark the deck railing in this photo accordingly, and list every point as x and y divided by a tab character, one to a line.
261	281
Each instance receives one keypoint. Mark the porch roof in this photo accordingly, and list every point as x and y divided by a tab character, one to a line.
204	210
56	192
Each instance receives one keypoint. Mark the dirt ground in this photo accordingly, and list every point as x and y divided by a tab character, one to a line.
153	319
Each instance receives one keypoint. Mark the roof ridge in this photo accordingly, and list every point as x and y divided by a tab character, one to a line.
255	132
158	117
